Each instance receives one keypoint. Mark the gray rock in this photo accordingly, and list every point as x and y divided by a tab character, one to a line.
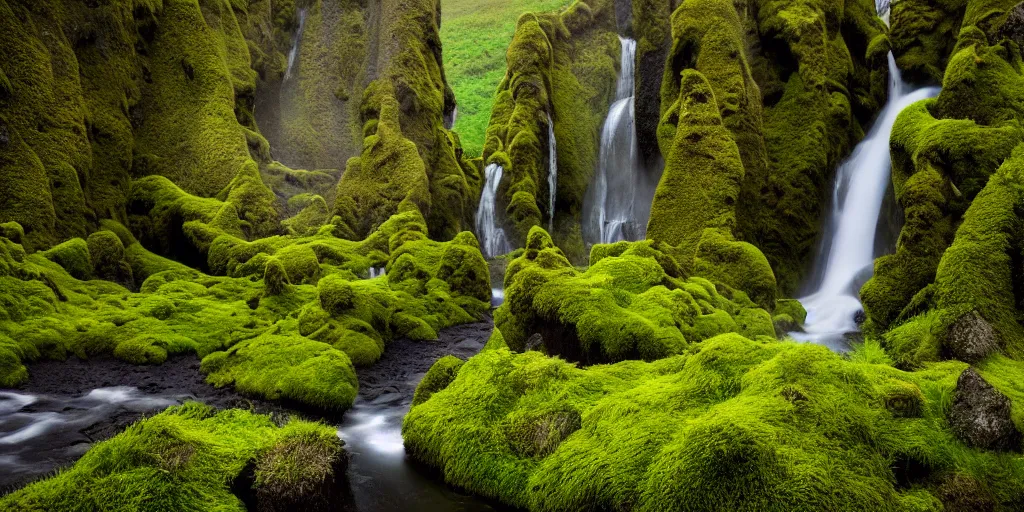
980	416
971	339
1013	27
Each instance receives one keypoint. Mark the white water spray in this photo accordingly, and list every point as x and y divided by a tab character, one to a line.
295	45
848	254
552	173
615	187
492	237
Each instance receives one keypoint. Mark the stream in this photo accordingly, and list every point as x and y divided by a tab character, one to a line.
67	406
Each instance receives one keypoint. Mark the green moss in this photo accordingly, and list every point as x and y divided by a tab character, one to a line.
703	172
73	255
405	145
183	458
290	368
108	258
731	423
295	471
440	375
939	166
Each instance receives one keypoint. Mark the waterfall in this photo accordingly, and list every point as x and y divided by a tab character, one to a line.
451	117
552	173
492	236
295	44
847	252
883	8
614	214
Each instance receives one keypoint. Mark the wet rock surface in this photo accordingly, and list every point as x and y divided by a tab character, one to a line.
980	415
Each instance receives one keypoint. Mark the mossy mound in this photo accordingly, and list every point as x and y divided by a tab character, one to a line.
632	303
729	424
186	458
560	66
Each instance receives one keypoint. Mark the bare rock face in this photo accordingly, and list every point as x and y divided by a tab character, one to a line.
971	339
980	415
1013	27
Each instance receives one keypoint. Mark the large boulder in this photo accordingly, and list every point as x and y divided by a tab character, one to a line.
980	416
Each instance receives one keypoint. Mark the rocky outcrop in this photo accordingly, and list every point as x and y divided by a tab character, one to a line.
980	415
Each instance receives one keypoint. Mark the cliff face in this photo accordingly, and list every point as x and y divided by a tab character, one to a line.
97	94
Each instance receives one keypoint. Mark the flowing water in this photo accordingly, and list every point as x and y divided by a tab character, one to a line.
552	173
619	199
382	477
294	52
31	422
492	236
847	254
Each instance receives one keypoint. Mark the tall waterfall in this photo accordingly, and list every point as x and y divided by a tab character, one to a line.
615	213
295	44
552	173
847	253
492	237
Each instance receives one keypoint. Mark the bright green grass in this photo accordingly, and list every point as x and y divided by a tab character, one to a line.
475	35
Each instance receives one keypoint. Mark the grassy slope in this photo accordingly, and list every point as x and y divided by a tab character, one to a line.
475	35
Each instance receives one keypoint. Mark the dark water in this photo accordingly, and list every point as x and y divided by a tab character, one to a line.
381	476
67	406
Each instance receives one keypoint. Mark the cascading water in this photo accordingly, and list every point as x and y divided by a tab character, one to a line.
847	254
614	215
492	237
552	173
295	45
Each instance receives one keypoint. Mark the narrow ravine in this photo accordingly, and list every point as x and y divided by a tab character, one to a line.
381	476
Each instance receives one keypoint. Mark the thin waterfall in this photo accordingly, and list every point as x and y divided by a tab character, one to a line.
613	216
847	253
492	237
552	173
295	44
450	118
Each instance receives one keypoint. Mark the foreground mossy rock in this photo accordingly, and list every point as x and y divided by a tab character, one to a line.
980	415
305	470
186	458
730	424
632	303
